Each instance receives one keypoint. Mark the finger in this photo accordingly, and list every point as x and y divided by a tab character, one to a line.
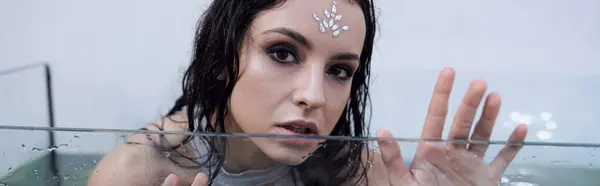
391	156
200	180
463	119
508	152
171	180
485	125
438	106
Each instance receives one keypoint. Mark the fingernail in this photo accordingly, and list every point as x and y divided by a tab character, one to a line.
447	71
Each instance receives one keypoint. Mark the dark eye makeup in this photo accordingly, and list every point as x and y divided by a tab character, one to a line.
284	53
341	71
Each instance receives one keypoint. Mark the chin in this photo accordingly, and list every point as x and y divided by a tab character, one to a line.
285	153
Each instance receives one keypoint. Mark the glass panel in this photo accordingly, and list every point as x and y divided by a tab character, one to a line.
558	108
555	106
29	160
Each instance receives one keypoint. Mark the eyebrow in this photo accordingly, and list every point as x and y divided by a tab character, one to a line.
347	57
293	35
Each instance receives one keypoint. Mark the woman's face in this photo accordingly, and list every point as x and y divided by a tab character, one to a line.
295	79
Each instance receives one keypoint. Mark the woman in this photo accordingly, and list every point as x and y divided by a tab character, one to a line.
297	67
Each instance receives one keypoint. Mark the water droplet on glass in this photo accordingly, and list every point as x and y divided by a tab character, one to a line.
590	166
504	180
23	145
66	177
52	148
3	184
95	172
533	157
95	161
9	168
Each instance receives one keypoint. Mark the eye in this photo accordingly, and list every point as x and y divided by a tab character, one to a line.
341	72
282	53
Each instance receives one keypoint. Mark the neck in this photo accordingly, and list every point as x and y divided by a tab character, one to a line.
242	153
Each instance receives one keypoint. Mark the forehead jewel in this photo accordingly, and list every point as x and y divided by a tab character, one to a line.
330	21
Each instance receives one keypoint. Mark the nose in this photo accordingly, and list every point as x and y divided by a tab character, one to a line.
309	93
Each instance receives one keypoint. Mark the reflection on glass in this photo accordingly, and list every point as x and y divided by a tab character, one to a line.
29	160
544	123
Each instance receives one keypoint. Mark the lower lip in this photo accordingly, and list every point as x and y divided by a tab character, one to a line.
296	141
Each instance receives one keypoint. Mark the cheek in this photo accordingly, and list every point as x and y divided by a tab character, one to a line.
337	98
255	95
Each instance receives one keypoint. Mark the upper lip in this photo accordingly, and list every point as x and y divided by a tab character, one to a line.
303	123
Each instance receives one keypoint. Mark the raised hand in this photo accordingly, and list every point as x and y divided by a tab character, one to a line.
436	163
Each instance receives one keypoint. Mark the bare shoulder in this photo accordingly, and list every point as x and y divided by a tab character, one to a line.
144	159
376	173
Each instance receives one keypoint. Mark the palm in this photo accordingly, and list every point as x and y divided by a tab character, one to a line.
437	163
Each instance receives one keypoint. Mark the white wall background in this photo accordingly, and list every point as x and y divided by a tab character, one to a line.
118	64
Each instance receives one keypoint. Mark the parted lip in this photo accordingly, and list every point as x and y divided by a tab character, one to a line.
302	123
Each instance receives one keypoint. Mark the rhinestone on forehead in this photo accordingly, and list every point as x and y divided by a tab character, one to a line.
330	21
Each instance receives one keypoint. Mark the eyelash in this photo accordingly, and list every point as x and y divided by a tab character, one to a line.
343	69
289	51
277	49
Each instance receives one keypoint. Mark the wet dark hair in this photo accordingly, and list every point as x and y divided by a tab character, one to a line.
209	81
